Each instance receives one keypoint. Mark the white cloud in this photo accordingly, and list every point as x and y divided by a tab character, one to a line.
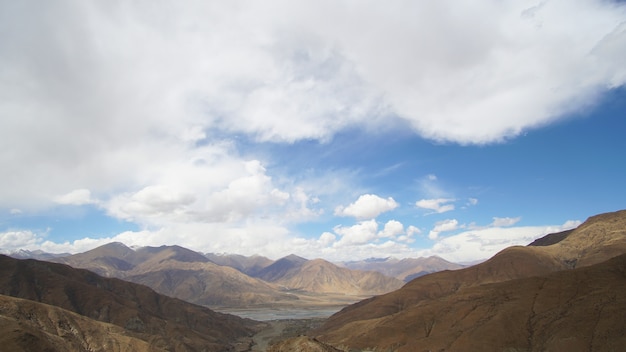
326	239
106	113
392	229
361	233
368	206
438	205
76	197
412	230
503	222
136	106
150	202
443	226
484	243
14	240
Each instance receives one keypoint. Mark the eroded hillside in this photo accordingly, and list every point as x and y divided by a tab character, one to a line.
560	296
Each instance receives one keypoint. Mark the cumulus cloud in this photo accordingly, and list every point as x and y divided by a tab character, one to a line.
76	197
361	233
483	243
141	107
92	108
326	239
366	233
14	240
392	229
438	205
503	222
368	206
412	230
443	226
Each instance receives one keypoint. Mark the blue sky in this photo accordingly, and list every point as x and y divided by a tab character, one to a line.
400	129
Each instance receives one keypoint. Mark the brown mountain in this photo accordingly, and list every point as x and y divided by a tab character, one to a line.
572	310
505	302
281	267
405	269
191	276
320	276
32	326
117	260
248	265
164	322
207	284
178	272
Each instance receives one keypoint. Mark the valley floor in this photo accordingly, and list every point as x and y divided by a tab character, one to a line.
282	313
279	330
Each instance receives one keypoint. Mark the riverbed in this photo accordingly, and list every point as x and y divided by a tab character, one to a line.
268	314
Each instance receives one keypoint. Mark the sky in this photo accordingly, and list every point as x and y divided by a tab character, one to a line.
338	129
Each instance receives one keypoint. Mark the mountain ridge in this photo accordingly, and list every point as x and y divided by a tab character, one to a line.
430	303
139	310
192	276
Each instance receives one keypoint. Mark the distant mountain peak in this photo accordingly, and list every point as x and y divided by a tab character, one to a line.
294	258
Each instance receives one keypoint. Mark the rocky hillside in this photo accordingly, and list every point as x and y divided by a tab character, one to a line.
248	265
32	326
178	272
188	275
321	276
281	267
164	322
563	295
207	284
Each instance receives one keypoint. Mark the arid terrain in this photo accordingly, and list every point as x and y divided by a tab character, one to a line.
141	313
288	283
561	292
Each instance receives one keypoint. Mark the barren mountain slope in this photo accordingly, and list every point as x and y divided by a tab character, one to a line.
511	263
247	265
178	272
163	321
188	275
27	326
599	238
283	266
110	260
570	310
207	284
321	276
117	260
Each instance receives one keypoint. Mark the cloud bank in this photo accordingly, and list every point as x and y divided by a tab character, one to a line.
139	109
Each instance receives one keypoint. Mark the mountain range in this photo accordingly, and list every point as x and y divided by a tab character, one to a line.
54	307
192	276
562	293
